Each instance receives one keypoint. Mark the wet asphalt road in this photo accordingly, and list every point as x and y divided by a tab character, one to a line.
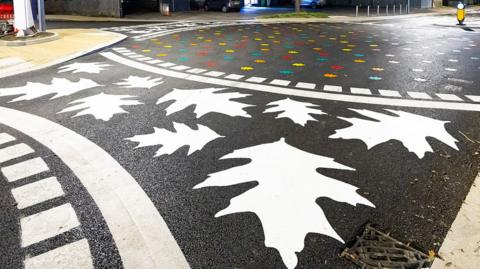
403	188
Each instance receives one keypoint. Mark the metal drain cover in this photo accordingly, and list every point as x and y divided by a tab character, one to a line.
375	250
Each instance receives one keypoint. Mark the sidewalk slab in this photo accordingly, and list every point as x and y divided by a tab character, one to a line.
72	43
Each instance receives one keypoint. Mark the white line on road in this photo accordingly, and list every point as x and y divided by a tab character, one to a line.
419	95
5	138
449	97
295	92
214	73
15	151
72	256
24	169
256	79
47	224
280	82
37	192
304	85
389	93
141	235
360	91
332	88
234	76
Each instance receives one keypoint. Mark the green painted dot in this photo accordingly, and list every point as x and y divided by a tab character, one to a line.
227	58
256	54
286	72
183	59
322	60
358	55
182	50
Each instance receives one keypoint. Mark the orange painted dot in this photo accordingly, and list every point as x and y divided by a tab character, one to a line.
317	49
264	49
193	44
359	61
329	75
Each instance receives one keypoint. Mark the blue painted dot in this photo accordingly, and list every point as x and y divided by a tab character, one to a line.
358	55
257	53
289	46
374	78
227	58
286	72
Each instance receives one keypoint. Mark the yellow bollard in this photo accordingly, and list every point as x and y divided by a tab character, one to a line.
460	13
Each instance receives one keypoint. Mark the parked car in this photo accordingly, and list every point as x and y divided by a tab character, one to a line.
223	5
313	3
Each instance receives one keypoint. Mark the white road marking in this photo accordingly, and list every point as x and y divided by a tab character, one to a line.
474	98
280	82
75	255
295	92
137	56
419	95
304	85
15	151
5	138
449	97
141	235
24	169
167	64
214	73
47	224
453	88
37	192
155	61
420	79
256	79
181	67
196	70
332	88
460	80
234	76
460	247
145	59
360	91
451	69
389	93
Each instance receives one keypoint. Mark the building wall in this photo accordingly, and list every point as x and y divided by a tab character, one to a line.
84	7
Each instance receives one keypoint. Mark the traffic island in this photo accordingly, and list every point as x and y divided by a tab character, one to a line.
13	40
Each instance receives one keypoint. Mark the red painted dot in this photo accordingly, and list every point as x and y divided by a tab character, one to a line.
323	54
135	46
299	43
287	57
202	53
337	67
211	64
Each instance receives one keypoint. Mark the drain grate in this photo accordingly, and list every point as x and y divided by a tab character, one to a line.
376	250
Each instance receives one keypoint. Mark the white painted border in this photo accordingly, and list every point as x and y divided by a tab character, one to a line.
294	92
139	231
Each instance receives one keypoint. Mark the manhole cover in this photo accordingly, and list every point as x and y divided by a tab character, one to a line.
375	250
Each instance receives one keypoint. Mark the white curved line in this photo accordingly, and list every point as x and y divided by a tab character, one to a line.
294	92
140	233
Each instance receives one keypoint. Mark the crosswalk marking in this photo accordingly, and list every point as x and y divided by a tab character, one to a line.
155	61
280	82
419	95
5	138
47	224
73	255
167	64
129	53
214	73
332	88
37	192
137	56
234	76
475	98
24	169
389	93
15	151
180	67
449	97
196	70
145	59
363	91
256	79
304	85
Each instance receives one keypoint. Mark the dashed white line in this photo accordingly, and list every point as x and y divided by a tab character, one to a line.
155	61
37	192
129	53
234	76
332	88
363	91
214	73
196	70
137	56
73	255
304	85
389	93
47	224
280	82
145	59
6	138
15	151
449	97
256	79
181	67
24	169
419	95
167	64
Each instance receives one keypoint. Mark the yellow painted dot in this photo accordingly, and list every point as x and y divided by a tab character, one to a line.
271	36
293	52
264	45
373	45
229	51
222	44
317	49
276	41
344	42
333	38
347	50
343	35
329	75
207	40
146	50
246	68
162	54
359	61
193	44
351	46
260	61
200	37
258	38
167	46
298	64
265	49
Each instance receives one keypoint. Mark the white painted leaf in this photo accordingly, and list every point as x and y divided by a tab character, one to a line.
102	106
140	82
172	141
206	101
410	129
284	200
60	87
91	68
298	112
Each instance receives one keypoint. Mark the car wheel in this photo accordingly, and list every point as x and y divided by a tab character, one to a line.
313	5
205	7
224	9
